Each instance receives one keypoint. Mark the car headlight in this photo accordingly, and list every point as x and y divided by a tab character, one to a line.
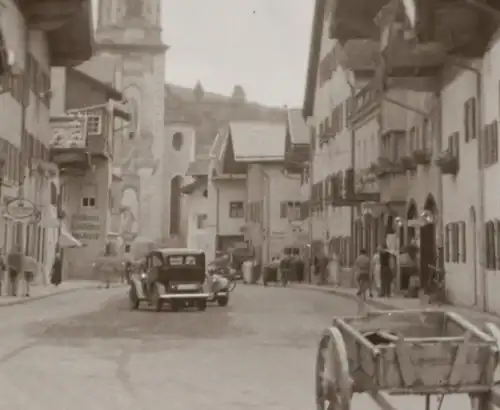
144	276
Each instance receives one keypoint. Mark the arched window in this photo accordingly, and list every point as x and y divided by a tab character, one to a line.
177	141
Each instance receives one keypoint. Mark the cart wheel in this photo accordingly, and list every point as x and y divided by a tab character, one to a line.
333	382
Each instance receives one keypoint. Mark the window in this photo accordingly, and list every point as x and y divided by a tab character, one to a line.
463	244
177	141
454	144
290	210
490	141
447	242
490	246
236	210
94	124
201	220
89	196
470	119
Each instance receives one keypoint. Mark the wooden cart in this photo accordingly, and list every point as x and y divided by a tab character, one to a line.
421	352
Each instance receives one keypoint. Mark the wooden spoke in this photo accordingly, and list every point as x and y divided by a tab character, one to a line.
333	382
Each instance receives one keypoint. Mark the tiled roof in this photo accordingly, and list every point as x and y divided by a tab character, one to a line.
198	167
68	132
258	141
102	68
299	132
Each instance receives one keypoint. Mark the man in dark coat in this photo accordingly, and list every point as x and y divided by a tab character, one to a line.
15	263
56	276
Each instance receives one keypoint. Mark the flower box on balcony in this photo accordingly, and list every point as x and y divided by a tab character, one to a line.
383	167
422	157
448	163
407	163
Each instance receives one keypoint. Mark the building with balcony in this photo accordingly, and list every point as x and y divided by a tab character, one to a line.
83	147
34	36
440	56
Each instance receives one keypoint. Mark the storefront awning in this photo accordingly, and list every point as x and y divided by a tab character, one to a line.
66	240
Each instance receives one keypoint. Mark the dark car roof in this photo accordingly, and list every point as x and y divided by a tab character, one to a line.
179	251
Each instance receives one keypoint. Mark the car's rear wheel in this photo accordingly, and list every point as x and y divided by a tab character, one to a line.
223	300
201	305
133	299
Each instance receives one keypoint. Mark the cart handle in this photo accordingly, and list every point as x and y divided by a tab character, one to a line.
357	336
433	339
466	325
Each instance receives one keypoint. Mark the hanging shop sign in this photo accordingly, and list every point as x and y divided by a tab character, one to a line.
20	209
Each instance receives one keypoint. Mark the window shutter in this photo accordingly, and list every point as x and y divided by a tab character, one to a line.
494	142
463	235
466	120
447	243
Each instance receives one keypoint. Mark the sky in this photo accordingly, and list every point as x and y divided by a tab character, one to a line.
261	44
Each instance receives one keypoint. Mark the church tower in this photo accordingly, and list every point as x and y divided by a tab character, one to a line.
130	30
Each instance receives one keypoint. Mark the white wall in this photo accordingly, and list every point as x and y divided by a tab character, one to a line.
460	193
197	238
491	82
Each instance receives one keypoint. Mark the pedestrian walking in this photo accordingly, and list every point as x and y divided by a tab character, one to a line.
285	267
56	274
375	271
299	266
362	270
386	275
3	269
15	265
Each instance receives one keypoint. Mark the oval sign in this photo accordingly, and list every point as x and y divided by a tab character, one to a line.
19	209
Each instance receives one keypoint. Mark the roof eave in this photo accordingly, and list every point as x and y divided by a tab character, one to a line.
314	51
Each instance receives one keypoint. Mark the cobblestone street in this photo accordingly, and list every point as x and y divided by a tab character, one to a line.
86	350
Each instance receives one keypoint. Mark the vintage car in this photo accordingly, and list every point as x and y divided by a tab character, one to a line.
219	284
173	276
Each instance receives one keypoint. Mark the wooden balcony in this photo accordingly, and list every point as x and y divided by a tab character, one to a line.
68	24
364	101
354	19
68	148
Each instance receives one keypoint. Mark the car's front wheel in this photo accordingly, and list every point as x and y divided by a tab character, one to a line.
223	300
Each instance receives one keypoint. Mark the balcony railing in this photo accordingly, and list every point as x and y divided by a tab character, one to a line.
363	100
68	148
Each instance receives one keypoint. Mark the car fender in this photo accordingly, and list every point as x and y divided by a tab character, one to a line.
137	285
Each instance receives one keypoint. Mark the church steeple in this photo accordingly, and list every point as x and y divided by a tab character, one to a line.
144	14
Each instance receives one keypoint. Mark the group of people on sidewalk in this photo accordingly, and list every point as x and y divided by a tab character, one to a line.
379	271
15	262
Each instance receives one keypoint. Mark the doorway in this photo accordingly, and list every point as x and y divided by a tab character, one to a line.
428	244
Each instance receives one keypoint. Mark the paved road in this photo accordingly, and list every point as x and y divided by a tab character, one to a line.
86	350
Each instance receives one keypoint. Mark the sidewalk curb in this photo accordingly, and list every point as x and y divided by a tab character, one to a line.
346	295
25	300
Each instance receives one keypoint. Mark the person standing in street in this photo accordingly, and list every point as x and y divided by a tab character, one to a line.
56	274
362	266
299	266
3	269
15	265
385	272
